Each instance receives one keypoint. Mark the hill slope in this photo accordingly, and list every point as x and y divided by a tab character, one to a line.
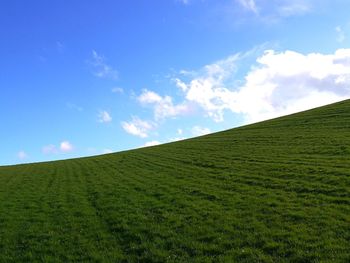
274	191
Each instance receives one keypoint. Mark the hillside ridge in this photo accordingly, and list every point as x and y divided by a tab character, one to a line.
274	191
230	129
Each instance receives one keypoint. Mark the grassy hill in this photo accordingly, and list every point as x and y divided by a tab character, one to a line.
276	191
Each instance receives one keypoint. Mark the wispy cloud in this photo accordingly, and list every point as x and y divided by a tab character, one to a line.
105	151
273	11
64	147
198	131
340	34
22	155
294	8
74	106
249	5
185	2
49	149
60	47
118	90
104	117
101	68
137	127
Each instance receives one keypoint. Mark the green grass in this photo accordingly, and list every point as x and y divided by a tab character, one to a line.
276	191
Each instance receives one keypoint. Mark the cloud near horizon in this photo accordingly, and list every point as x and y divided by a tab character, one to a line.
64	147
151	143
277	84
199	131
280	83
22	155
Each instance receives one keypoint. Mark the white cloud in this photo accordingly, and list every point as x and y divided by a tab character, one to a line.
198	131
104	117
281	83
118	90
179	131
66	146
163	106
151	143
137	127
101	68
207	89
340	34
22	155
155	142
249	5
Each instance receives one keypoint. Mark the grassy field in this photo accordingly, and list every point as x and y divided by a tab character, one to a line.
276	191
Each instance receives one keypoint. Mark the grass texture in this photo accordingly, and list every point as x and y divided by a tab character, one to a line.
275	191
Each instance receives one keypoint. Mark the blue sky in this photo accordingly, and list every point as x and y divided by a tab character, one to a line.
81	78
